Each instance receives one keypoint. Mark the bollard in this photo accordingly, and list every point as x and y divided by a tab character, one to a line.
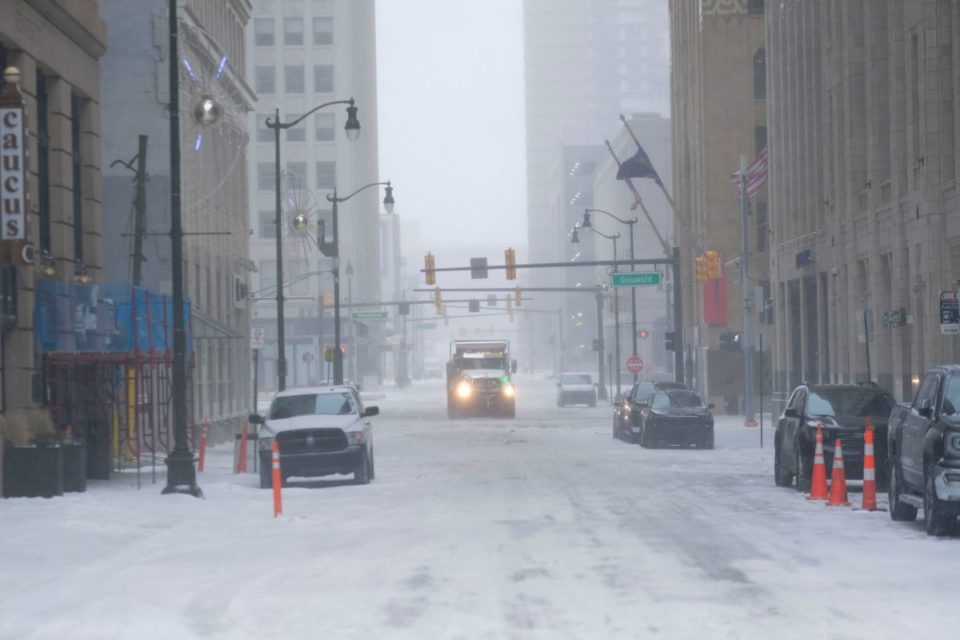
277	479
203	446
242	462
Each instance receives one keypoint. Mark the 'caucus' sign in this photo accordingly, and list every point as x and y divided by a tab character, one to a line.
12	192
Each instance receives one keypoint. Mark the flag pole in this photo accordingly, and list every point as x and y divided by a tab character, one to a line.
747	292
667	251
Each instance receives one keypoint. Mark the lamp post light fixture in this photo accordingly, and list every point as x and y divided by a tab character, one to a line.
352	130
334	252
81	276
616	296
633	290
48	264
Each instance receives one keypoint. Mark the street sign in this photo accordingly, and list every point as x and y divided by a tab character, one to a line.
257	338
426	325
478	268
369	315
949	313
634	364
635	279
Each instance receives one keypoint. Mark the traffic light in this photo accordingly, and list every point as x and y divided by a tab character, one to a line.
713	264
730	341
643	334
327	298
510	259
517	298
510	308
429	264
474	306
701	269
438	300
669	341
403	309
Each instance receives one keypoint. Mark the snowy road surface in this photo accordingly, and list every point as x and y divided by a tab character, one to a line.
543	527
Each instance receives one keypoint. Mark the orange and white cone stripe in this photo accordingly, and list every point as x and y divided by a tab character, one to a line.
838	481
869	470
277	479
818	481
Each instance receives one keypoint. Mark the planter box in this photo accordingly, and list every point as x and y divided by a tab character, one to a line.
74	467
32	472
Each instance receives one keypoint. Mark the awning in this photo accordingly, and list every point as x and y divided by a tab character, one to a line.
206	328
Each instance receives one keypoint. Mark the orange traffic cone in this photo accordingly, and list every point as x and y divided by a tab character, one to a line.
69	432
838	481
818	483
869	470
277	478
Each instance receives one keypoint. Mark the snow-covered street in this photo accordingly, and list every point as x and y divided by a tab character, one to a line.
542	527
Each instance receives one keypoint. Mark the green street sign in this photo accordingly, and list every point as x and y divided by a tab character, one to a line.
635	279
369	315
426	325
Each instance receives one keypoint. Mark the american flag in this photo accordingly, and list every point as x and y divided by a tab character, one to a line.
756	175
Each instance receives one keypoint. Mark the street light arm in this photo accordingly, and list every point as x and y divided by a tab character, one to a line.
334	198
273	123
601	233
620	220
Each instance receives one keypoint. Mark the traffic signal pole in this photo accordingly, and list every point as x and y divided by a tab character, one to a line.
747	292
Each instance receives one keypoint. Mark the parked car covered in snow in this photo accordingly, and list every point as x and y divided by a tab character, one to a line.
320	431
576	388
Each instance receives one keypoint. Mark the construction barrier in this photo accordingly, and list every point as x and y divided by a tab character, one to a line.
277	479
869	470
818	482
203	445
838	481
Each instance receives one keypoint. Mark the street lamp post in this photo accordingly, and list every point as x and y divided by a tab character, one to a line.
352	128
388	204
575	239
633	290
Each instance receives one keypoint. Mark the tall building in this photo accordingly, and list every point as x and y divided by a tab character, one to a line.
57	47
304	54
212	61
718	103
863	172
585	62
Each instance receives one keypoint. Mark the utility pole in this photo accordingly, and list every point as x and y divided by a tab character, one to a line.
140	211
747	292
601	375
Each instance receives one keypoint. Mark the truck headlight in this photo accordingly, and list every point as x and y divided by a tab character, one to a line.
356	437
265	443
464	390
508	390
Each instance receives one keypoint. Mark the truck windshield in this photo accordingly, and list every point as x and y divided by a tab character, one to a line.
951	397
857	403
310	404
483	363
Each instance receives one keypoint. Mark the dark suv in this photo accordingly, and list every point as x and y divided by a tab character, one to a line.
627	412
843	410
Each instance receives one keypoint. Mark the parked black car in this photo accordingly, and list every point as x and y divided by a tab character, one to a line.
677	417
626	412
924	445
842	409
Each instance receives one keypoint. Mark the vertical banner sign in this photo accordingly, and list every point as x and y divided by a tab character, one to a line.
949	313
12	196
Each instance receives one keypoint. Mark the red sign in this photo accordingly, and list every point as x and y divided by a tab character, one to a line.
634	364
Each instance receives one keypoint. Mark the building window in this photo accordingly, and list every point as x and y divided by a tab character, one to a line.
75	107
267	224
43	159
759	139
266	178
264	133
293	78
324	124
293	31
297	133
326	175
760	75
265	80
322	30
263	32
755	7
323	79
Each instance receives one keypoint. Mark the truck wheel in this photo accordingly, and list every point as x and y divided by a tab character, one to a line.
780	477
935	521
511	411
361	475
899	511
707	441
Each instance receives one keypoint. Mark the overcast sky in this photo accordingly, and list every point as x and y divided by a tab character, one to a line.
450	85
